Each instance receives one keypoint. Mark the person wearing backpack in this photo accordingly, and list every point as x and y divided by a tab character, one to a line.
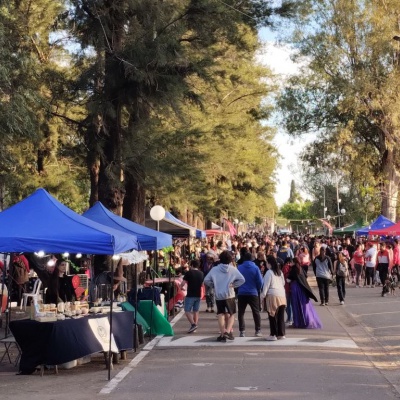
285	252
341	270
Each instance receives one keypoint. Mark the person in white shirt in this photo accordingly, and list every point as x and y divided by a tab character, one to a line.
274	291
370	264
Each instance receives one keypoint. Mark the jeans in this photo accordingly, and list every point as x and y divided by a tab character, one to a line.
210	296
254	303
289	307
277	322
370	275
383	272
341	287
358	268
305	269
323	286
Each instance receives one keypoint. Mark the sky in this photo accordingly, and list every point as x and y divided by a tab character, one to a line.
277	58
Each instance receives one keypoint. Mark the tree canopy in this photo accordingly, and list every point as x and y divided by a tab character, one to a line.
136	102
347	95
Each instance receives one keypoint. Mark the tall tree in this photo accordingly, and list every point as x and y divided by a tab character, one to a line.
38	149
348	92
294	195
145	55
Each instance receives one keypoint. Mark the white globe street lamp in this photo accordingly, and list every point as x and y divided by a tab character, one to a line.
157	213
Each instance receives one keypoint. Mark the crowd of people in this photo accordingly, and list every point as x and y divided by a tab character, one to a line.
269	273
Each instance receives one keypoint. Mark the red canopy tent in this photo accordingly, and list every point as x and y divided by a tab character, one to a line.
393	230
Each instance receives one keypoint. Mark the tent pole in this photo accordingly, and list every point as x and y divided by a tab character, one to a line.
111	320
8	303
135	312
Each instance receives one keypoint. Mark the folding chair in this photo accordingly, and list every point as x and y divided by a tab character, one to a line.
34	294
8	342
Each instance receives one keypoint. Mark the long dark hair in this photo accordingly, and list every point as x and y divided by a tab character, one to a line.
297	265
275	267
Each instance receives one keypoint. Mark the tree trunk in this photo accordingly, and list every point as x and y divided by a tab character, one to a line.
111	175
390	187
134	201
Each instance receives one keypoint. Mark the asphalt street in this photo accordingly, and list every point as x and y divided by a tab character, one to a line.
355	356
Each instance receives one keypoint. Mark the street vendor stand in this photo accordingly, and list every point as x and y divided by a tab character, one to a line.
59	342
44	224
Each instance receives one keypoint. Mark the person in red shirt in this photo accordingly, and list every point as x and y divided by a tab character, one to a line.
19	273
396	260
304	258
358	261
382	263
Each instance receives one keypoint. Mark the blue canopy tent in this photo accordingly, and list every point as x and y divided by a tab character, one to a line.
380	223
199	233
40	222
173	226
148	239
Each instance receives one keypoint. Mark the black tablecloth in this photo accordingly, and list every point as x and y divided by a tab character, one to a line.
53	343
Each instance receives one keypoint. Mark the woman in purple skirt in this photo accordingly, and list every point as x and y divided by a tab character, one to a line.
304	314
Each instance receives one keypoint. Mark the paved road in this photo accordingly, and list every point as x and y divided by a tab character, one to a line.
355	356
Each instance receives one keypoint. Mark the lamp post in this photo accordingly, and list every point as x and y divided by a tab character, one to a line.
157	213
342	213
328	218
324	204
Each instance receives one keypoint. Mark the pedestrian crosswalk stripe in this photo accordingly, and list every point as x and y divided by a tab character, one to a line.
210	341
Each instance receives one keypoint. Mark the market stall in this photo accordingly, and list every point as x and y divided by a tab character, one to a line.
41	223
58	342
148	239
380	223
393	230
173	226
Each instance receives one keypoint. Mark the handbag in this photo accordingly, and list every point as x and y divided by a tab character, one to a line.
341	270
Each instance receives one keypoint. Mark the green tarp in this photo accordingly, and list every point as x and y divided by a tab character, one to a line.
126	306
153	316
349	229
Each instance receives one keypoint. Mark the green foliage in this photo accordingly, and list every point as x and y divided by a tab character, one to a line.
164	95
347	95
296	211
294	195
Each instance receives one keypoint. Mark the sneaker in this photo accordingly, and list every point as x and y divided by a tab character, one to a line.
212	310
342	302
192	328
242	334
229	336
322	304
281	337
221	338
271	338
290	323
326	304
258	334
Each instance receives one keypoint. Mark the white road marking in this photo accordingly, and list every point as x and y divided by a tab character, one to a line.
383	327
202	364
107	389
210	341
246	388
378	313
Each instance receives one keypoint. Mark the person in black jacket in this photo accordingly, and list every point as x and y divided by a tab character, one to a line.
304	314
60	287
